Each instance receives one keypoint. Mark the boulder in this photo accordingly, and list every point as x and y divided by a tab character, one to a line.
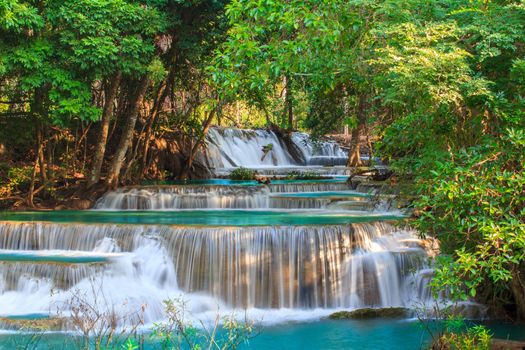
503	344
367	313
33	324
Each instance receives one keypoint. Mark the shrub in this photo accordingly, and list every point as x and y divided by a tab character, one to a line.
474	204
307	175
473	338
16	179
243	174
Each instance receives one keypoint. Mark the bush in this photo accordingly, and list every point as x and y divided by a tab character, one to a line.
474	338
177	332
307	175
16	179
243	174
474	204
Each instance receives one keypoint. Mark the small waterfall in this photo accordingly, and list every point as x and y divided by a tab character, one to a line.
299	203
228	148
239	147
308	187
219	197
301	267
186	197
325	153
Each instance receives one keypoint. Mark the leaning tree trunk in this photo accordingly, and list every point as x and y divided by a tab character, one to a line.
161	95
354	155
127	134
100	149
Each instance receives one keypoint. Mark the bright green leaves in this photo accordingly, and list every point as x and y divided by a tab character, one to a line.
69	97
19	16
492	31
29	56
477	200
423	67
63	49
269	42
107	35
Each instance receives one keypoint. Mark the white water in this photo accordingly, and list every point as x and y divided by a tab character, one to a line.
321	152
186	197
272	196
253	268
273	273
229	148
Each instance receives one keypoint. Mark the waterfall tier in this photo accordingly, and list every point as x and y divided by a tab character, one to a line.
267	267
309	196
229	148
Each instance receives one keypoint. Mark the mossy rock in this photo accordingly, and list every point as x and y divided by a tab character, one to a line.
366	313
37	324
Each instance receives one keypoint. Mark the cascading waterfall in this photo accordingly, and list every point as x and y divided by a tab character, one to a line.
237	147
186	197
297	267
320	152
300	267
230	197
228	148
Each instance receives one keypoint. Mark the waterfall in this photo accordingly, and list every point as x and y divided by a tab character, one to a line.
237	147
325	153
228	148
308	187
300	267
186	197
227	197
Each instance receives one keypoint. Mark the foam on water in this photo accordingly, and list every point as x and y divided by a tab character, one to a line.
230	148
265	270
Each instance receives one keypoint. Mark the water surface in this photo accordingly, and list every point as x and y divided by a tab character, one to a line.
202	217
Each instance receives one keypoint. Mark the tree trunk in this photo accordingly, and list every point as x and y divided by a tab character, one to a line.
33	180
354	155
100	149
193	152
127	134
162	93
518	291
41	158
288	102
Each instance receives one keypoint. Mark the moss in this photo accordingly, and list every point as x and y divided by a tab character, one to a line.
37	324
390	312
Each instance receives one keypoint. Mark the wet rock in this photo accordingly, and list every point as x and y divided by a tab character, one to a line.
504	344
80	204
366	313
34	324
471	310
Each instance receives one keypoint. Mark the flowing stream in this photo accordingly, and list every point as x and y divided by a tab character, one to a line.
288	250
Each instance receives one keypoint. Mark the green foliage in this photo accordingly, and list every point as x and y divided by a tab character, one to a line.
243	174
15	180
179	333
273	46
304	175
473	338
475	205
52	54
130	344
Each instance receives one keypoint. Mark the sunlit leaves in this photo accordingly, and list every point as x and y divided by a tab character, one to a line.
19	16
477	202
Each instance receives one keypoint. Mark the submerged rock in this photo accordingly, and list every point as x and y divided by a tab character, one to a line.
42	324
505	344
389	312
